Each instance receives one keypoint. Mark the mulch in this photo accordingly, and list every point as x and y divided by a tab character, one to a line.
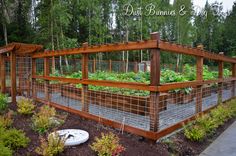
135	145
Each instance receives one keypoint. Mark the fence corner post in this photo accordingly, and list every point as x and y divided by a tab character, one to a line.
154	81
84	93
199	77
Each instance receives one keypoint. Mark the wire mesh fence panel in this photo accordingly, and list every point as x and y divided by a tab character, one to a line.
178	107
39	66
38	89
24	75
226	91
210	96
8	73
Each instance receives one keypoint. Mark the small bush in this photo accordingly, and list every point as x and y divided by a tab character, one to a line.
195	133
107	145
207	124
52	147
14	139
5	151
25	106
3	102
42	120
6	120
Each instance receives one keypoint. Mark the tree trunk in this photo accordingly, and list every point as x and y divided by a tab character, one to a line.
52	40
5	32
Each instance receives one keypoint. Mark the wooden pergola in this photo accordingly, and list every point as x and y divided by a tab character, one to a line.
14	50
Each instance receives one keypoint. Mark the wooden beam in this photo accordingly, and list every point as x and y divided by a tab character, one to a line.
13	76
2	73
170	47
199	77
101	48
155	81
84	93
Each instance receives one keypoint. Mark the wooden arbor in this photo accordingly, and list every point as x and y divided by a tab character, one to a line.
14	50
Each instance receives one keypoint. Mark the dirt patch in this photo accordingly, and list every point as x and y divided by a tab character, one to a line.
135	145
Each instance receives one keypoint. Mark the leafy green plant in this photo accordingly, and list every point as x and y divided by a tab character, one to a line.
194	133
6	120
3	102
25	106
44	119
107	145
5	151
52	147
14	139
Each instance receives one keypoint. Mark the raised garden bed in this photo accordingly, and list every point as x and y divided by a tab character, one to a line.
134	104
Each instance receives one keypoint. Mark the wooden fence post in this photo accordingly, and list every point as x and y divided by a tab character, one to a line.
85	105
94	65
145	67
136	67
155	81
46	72
2	73
220	76
34	87
199	88
110	66
13	76
234	76
123	66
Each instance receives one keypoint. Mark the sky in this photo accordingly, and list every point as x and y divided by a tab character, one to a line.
227	4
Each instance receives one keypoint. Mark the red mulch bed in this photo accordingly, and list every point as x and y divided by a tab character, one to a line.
135	145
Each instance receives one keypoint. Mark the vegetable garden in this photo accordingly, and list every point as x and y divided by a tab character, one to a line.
150	103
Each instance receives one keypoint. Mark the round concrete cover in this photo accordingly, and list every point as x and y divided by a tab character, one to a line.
73	136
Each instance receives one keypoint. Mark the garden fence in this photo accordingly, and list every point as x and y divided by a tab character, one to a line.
151	110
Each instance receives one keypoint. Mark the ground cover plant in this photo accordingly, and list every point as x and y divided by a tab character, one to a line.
107	145
45	119
11	139
3	102
206	125
52	146
25	106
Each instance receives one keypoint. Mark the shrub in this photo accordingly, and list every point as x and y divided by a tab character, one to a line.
194	133
53	146
6	120
5	151
3	102
107	145
25	106
14	139
43	120
207	124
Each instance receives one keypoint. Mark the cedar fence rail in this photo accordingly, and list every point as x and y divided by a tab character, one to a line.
155	46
